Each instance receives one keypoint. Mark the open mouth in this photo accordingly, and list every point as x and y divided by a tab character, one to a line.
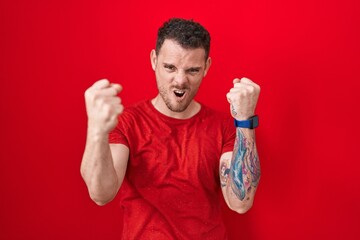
179	93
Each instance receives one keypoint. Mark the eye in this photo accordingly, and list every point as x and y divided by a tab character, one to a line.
170	68
194	71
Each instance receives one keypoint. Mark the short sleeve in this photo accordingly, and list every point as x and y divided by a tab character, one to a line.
120	134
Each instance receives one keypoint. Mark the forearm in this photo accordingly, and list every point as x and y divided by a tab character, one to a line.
97	169
241	176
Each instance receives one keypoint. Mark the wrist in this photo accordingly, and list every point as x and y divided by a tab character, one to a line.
243	117
250	123
96	134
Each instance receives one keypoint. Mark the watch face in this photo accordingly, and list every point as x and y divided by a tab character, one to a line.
255	121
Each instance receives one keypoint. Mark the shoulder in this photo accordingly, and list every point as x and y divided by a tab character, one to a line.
138	105
135	109
133	112
218	119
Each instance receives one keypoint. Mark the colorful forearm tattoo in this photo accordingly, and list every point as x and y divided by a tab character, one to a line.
243	174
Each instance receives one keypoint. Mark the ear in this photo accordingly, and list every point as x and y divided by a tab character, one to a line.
153	59
207	66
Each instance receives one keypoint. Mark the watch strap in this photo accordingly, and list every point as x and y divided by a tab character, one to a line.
250	123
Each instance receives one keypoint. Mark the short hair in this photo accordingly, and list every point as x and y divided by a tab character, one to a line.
187	33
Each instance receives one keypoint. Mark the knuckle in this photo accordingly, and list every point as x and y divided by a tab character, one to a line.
256	86
108	113
251	89
117	100
113	118
105	108
112	91
228	95
247	80
243	92
91	97
100	101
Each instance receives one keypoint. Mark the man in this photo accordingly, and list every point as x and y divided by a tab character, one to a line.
171	154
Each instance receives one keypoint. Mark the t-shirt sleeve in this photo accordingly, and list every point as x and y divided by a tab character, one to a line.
229	135
119	135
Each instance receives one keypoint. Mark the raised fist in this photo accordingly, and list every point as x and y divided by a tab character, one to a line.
243	98
103	106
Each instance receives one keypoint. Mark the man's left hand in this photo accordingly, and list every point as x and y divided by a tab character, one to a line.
243	98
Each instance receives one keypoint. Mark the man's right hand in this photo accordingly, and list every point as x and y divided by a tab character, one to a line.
103	107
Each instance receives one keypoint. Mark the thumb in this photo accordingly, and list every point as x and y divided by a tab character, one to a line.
103	83
117	87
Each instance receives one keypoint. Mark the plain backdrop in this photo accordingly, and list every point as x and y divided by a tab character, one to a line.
304	55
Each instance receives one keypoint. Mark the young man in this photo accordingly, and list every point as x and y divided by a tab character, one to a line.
171	155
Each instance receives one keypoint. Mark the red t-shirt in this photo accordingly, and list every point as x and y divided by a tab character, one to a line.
171	187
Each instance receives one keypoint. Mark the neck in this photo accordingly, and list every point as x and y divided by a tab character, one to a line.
193	108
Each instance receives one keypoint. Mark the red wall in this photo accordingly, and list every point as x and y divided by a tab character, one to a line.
304	54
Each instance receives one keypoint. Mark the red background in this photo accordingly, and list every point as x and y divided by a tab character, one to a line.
304	54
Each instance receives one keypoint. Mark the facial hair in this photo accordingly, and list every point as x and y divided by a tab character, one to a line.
180	105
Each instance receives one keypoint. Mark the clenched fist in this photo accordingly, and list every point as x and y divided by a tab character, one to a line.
103	106
243	98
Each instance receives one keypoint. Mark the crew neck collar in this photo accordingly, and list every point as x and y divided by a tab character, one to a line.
168	118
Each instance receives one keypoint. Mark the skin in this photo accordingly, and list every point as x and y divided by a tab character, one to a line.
179	73
103	165
240	169
180	69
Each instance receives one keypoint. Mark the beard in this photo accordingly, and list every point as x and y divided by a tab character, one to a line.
174	103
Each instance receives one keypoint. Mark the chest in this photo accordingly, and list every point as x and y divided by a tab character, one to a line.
175	155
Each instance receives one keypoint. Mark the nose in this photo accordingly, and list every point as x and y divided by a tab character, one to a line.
181	78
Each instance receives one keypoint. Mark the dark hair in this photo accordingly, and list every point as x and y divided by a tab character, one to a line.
187	33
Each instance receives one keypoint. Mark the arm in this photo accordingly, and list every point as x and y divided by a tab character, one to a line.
240	172
240	169
103	168
103	165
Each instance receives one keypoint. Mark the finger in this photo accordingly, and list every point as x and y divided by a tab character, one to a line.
233	98
236	80
113	100
110	91
249	87
246	80
240	85
230	96
117	87
119	109
103	83
234	90
237	89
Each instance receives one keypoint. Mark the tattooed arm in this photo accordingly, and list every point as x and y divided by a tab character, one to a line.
240	172
240	169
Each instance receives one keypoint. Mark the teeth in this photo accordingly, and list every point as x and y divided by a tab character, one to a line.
179	91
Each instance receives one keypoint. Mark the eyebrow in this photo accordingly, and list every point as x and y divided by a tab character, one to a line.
187	69
193	68
168	64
